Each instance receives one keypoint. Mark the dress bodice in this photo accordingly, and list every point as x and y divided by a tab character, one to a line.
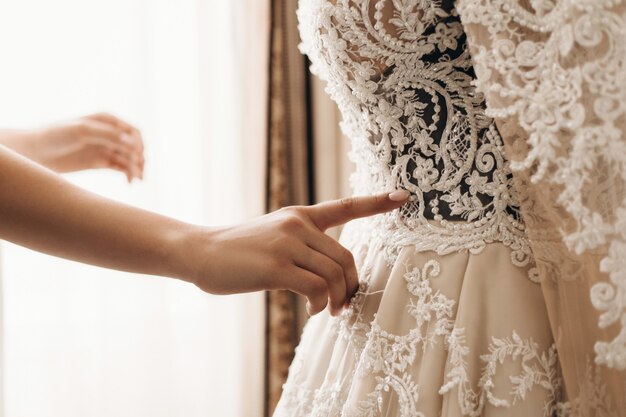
401	74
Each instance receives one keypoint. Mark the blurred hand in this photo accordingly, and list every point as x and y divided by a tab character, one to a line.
96	141
288	249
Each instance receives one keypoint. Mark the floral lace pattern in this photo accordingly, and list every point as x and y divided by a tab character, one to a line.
388	358
401	75
539	368
556	71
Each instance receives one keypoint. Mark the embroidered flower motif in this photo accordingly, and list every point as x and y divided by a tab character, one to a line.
398	139
446	35
425	173
387	116
424	142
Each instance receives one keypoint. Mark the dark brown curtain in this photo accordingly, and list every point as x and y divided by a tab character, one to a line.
289	180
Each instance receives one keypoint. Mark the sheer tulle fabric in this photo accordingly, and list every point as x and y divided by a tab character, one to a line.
553	74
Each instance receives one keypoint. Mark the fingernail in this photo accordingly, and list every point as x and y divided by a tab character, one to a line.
308	309
399	195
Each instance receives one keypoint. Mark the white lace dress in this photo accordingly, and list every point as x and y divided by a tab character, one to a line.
448	320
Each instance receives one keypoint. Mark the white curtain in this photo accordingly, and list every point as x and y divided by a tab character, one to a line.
83	341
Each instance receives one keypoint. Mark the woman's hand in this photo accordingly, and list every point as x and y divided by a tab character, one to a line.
96	141
287	249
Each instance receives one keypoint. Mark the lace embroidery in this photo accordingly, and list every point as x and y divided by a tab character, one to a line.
387	358
558	68
539	368
401	75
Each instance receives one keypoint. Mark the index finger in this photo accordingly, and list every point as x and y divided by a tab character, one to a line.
115	121
334	213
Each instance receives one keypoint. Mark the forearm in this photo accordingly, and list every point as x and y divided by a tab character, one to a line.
42	211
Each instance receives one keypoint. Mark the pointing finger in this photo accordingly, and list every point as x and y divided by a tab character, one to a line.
337	212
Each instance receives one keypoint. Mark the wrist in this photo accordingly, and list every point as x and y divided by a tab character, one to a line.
23	142
44	147
187	253
33	146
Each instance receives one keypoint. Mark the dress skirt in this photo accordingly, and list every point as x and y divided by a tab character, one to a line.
428	335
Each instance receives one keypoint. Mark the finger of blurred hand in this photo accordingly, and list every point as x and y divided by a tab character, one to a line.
133	140
134	135
121	156
136	153
113	139
129	134
334	250
328	269
121	162
337	212
118	167
106	134
141	152
115	121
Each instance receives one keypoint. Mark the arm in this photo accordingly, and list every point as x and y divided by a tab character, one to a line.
283	250
42	211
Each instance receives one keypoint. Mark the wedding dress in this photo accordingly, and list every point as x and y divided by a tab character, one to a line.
453	314
449	319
